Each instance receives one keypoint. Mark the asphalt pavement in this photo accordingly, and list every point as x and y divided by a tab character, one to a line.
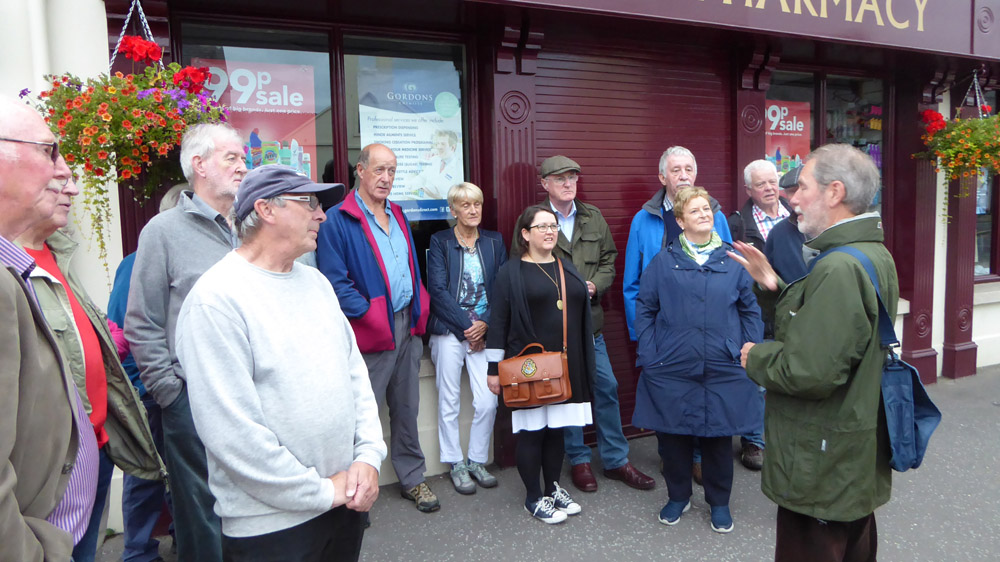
947	510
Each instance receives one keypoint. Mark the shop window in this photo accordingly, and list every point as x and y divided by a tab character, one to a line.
854	115
408	95
277	87
987	229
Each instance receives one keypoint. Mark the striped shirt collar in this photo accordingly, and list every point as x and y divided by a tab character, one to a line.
13	256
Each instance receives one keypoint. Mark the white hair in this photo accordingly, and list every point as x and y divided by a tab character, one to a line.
170	198
676	151
247	228
855	169
755	166
199	140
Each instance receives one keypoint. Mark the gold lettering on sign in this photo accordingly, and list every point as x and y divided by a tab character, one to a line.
809	6
892	19
921	4
761	4
848	10
869	6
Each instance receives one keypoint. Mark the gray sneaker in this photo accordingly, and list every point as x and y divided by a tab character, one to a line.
480	475
460	478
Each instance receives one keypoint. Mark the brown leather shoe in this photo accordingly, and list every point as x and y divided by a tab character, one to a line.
631	476
696	473
583	478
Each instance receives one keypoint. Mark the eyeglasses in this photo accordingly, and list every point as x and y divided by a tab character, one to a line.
53	147
312	200
545	227
568	178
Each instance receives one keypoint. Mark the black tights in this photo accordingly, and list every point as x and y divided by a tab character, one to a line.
539	451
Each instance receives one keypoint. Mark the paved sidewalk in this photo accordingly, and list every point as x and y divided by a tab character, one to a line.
948	510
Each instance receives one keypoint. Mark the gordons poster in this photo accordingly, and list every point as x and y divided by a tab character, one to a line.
413	107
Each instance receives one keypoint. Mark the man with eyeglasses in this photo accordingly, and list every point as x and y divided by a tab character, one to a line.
175	248
586	240
47	446
278	387
366	250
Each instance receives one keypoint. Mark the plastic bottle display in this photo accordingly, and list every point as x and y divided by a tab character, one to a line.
256	151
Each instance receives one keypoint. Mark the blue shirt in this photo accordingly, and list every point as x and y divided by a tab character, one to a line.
566	223
117	304
395	250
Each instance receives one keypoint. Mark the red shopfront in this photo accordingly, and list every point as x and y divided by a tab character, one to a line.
612	84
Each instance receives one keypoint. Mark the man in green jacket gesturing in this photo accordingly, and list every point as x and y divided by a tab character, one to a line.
827	465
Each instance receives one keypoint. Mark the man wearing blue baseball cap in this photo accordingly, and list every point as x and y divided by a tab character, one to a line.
279	390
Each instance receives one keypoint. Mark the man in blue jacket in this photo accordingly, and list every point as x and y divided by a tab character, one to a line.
365	248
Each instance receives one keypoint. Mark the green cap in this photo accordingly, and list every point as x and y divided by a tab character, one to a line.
557	165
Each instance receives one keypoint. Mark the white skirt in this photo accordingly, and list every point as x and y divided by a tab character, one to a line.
552	415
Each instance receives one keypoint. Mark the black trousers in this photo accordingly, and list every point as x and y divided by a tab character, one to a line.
801	537
677	453
334	536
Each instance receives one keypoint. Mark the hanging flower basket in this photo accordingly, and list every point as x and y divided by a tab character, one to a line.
962	147
121	126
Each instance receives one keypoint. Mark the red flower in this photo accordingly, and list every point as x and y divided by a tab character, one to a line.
178	126
192	79
127	124
98	172
102	154
85	141
986	108
125	174
70	158
102	139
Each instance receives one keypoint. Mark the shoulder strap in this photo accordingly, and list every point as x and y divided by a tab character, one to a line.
887	333
562	287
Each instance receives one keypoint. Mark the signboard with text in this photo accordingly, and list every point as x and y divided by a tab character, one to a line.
413	106
272	106
965	27
786	128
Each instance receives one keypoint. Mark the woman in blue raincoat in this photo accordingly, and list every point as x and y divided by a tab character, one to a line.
695	310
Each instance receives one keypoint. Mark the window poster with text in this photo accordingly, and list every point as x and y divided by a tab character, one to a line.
413	106
787	125
272	106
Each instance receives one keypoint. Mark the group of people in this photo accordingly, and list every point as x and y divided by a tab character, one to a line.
267	334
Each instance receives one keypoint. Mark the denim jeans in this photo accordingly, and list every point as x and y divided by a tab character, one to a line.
198	530
142	500
611	442
86	549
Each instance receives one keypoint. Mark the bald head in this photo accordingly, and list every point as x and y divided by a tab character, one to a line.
27	168
376	171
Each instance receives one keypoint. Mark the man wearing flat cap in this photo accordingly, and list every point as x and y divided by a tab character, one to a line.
279	390
585	239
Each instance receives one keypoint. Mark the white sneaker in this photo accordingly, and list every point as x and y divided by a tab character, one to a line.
545	511
564	502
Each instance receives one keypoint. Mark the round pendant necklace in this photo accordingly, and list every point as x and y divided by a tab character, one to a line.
470	249
559	302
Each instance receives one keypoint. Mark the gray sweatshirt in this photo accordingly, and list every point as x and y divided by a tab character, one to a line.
279	393
175	248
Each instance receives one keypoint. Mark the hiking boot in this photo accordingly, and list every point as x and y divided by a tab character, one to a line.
422	495
480	475
671	513
752	457
564	502
460	478
545	511
722	520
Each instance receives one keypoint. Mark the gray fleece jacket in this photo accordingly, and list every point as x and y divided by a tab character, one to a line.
175	248
279	393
